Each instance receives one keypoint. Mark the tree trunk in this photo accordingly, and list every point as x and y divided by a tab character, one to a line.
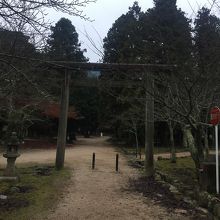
149	129
196	149
206	143
185	144
172	145
138	150
137	144
61	140
198	142
191	144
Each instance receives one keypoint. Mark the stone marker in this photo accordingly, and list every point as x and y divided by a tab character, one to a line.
11	155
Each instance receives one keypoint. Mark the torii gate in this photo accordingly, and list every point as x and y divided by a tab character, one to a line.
64	102
149	109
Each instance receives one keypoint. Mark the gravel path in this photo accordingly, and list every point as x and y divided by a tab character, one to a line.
98	194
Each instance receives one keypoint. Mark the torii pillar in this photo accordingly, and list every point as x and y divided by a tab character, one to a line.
64	107
149	170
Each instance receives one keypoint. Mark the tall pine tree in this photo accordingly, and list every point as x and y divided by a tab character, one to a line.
63	43
166	34
207	42
123	43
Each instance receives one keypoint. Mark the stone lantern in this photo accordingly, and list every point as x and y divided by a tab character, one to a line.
11	155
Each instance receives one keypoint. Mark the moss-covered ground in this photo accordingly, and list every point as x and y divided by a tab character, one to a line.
39	188
183	170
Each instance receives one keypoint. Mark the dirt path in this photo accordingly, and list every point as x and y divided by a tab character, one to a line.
101	193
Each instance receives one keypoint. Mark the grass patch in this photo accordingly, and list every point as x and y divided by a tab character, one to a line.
183	170
38	189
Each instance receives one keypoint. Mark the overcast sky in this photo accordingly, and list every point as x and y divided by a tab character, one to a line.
105	12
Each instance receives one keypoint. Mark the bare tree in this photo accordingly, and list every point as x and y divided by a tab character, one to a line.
33	12
191	95
30	16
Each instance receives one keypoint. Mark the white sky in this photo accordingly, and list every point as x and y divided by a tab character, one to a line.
105	12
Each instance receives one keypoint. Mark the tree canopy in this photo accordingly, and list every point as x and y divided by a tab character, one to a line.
63	43
123	41
166	34
207	42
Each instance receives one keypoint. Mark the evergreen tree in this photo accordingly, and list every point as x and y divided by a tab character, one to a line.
123	43
63	43
207	42
166	34
15	43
